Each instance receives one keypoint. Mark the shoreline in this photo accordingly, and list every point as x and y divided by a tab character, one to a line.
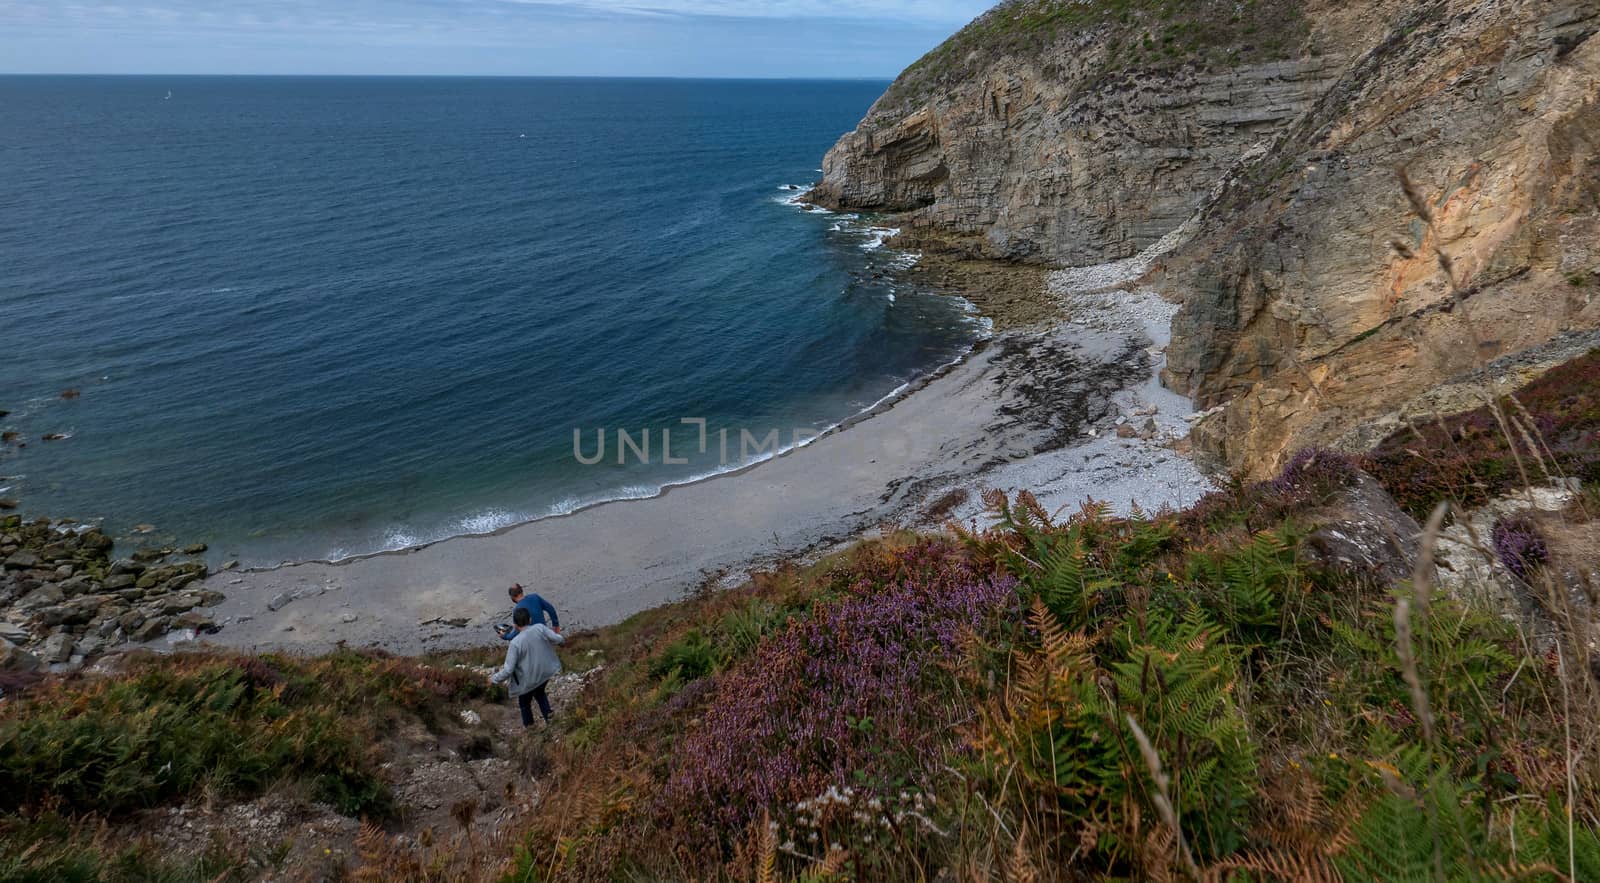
905	390
1037	407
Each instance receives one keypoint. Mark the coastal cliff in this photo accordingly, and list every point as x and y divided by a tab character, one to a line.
1312	295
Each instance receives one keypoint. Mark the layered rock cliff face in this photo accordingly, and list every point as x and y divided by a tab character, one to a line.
1069	141
1314	296
1278	127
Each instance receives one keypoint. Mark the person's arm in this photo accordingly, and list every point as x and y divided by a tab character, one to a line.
552	635
504	674
549	608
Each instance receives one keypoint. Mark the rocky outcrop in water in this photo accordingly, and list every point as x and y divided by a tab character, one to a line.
63	598
1313	299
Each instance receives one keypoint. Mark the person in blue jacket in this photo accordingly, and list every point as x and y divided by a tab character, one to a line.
536	606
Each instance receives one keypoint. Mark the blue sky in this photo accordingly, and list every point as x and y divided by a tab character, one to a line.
687	38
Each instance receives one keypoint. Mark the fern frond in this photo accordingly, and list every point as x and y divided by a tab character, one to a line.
1019	867
767	851
1276	864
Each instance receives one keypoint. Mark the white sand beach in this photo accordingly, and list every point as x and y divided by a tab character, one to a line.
1035	409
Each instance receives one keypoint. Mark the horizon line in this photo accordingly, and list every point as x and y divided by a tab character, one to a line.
745	78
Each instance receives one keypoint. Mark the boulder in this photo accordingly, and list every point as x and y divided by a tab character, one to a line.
74	586
14	658
178	582
22	560
124	566
1364	533
196	549
149	630
14	633
131	620
51	616
82	610
179	602
44	596
119	581
56	648
94	540
149	556
60	550
195	619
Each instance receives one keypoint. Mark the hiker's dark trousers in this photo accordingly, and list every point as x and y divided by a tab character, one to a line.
526	700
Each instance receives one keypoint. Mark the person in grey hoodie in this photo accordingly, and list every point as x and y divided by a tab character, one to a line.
531	662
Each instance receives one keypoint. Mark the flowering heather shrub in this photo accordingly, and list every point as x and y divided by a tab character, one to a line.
1470	459
1314	469
1310	478
1518	545
840	697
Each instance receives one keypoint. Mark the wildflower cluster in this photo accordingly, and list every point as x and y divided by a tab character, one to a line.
1518	545
1311	477
843	815
1551	429
840	697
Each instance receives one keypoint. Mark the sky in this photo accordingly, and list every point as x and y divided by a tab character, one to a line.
678	38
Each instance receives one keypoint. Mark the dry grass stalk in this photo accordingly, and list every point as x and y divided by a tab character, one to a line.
1421	208
1163	797
1408	667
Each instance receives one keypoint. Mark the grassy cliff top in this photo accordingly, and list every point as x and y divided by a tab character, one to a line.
1128	34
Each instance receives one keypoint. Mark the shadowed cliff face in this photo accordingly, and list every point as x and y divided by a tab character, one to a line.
1052	132
1064	139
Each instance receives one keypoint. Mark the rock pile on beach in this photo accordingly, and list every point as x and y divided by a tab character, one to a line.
64	598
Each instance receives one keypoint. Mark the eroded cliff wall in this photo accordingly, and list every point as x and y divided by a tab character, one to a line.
1071	133
1313	294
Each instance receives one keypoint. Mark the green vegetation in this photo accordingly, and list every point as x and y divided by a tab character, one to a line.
1549	429
1149	34
215	726
884	730
50	849
1194	694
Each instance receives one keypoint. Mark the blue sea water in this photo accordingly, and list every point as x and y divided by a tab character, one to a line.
315	318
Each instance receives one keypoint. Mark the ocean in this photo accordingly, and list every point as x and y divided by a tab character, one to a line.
312	318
